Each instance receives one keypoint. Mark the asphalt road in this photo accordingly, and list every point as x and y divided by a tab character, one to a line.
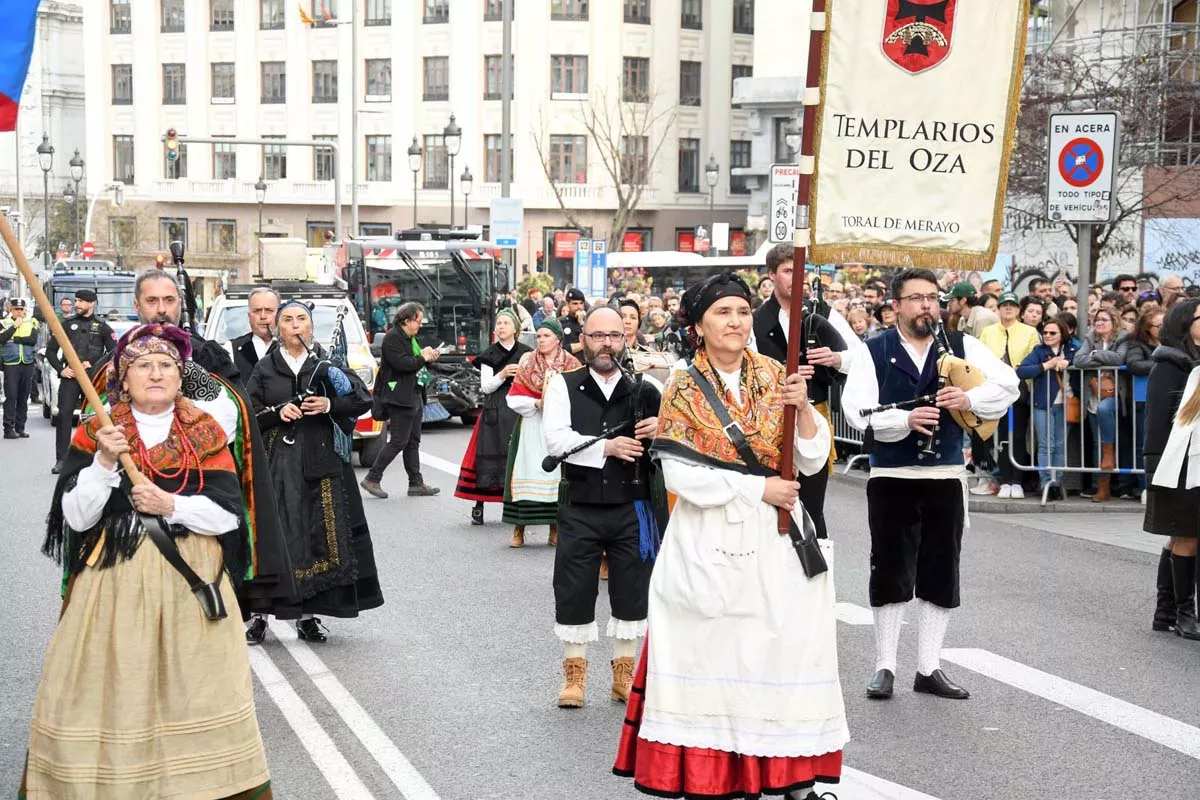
448	690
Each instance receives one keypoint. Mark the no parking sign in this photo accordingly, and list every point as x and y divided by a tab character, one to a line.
1082	167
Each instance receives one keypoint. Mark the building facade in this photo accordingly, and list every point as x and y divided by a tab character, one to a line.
603	91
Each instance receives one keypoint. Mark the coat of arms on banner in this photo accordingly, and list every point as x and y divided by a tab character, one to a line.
917	35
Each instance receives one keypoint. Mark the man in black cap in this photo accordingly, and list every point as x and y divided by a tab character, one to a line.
93	341
572	321
18	338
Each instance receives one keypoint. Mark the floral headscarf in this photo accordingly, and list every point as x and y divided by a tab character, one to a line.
167	340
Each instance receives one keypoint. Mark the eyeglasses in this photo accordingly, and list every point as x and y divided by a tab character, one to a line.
918	299
150	367
599	338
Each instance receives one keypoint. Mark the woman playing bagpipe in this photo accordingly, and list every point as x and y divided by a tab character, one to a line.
146	692
307	408
481	477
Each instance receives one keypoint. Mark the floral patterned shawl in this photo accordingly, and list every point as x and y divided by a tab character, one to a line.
535	369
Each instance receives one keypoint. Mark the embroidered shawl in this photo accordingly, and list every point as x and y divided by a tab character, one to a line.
536	369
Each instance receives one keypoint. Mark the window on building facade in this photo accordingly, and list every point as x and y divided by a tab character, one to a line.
740	71
739	156
492	77
224	161
379	12
317	232
323	166
634	163
174	84
222	81
324	81
743	16
122	233
379	158
222	236
220	15
689	165
492	150
123	159
437	78
324	12
568	74
779	128
637	12
274	82
120	18
374	229
172	229
635	83
177	168
436	12
493	10
436	165
691	14
172	16
689	83
568	9
122	84
274	160
568	159
271	14
379	79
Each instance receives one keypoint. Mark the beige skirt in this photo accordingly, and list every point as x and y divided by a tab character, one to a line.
141	696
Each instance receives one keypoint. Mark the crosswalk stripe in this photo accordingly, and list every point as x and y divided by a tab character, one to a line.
1142	722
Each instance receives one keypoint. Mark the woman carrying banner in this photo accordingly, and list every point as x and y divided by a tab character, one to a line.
307	408
134	655
531	493
481	477
762	713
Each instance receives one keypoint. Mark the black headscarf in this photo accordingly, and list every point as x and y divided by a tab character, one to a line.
701	297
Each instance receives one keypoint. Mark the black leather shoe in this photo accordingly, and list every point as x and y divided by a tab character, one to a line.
57	468
22	435
257	631
477	514
938	684
311	630
880	687
10	434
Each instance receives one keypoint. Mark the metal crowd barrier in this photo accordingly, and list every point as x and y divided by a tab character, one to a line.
843	431
1105	393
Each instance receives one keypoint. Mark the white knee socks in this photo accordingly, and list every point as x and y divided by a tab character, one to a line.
572	650
624	648
931	632
888	620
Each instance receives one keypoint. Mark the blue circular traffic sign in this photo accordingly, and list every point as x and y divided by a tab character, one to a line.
1081	162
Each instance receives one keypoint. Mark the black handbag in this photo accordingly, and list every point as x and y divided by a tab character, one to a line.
804	542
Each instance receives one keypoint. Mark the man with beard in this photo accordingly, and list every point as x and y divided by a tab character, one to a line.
212	377
821	361
915	507
606	505
261	306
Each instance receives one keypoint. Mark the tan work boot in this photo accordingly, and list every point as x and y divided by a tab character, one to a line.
622	682
553	540
574	688
518	537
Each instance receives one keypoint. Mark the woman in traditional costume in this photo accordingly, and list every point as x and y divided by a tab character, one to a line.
481	477
762	713
531	493
143	695
307	408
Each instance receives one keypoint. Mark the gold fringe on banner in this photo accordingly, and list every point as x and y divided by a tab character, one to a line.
925	257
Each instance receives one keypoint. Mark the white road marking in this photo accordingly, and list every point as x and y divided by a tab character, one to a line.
440	464
1142	722
852	614
403	775
329	760
857	785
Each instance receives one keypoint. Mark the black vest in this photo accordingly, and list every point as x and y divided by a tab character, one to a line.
591	415
771	341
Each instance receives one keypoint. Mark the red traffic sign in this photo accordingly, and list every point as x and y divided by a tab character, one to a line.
1081	162
88	249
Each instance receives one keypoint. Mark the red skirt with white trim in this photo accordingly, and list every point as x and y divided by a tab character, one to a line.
467	488
667	770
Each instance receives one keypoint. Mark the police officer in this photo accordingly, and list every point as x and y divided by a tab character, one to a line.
18	340
92	340
572	321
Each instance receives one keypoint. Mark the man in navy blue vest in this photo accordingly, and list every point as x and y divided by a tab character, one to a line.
606	506
915	506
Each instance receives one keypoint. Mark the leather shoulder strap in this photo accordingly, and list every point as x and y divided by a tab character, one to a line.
732	429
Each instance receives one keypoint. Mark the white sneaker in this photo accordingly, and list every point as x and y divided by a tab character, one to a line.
1017	492
1005	492
984	488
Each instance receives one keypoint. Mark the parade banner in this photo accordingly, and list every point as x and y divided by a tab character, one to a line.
915	127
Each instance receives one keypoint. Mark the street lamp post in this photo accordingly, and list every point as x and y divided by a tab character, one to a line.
452	140
69	203
712	173
260	194
45	153
77	176
468	182
414	163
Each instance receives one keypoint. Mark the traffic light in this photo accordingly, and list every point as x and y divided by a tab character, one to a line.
172	146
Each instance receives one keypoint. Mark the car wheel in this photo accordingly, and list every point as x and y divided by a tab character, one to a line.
370	449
